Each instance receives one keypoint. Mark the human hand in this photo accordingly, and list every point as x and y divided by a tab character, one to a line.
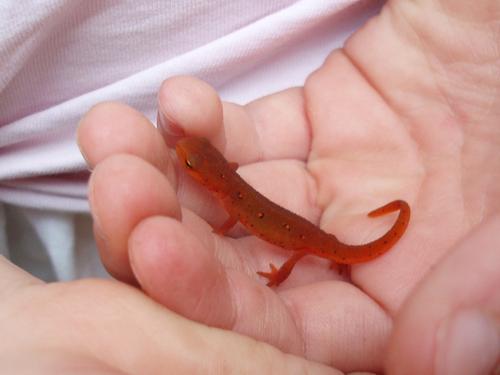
426	133
106	327
451	323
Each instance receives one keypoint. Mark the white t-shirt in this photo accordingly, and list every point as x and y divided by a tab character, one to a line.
60	57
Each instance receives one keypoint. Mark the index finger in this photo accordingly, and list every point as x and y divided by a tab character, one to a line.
272	127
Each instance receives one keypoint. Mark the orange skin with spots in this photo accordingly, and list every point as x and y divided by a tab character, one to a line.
273	223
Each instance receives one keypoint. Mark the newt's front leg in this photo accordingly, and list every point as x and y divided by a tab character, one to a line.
277	276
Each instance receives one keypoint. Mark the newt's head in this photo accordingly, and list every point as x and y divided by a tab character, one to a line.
203	162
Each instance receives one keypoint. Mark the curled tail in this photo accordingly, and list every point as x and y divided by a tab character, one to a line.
351	254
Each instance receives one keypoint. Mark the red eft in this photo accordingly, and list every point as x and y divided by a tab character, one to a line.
273	223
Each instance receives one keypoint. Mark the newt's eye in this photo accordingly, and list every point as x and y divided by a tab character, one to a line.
192	161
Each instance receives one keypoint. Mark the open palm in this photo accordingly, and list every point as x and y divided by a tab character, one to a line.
400	113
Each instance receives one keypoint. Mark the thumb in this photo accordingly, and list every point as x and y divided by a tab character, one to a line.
451	323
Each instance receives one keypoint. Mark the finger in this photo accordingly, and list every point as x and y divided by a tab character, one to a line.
123	190
279	121
450	325
187	105
101	340
114	128
178	270
184	274
273	127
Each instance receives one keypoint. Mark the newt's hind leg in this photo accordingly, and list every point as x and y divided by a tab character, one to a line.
277	276
228	224
343	270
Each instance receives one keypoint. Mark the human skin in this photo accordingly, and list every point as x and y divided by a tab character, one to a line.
104	327
415	118
408	109
107	327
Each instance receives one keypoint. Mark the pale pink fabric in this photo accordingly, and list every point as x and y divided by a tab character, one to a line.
60	57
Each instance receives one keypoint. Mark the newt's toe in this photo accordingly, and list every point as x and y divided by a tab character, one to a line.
272	276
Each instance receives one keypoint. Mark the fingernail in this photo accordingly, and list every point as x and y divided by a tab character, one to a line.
467	343
82	151
98	232
170	131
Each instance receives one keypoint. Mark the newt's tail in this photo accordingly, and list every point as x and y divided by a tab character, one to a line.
371	250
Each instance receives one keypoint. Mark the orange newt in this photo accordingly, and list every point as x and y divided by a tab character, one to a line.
273	223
